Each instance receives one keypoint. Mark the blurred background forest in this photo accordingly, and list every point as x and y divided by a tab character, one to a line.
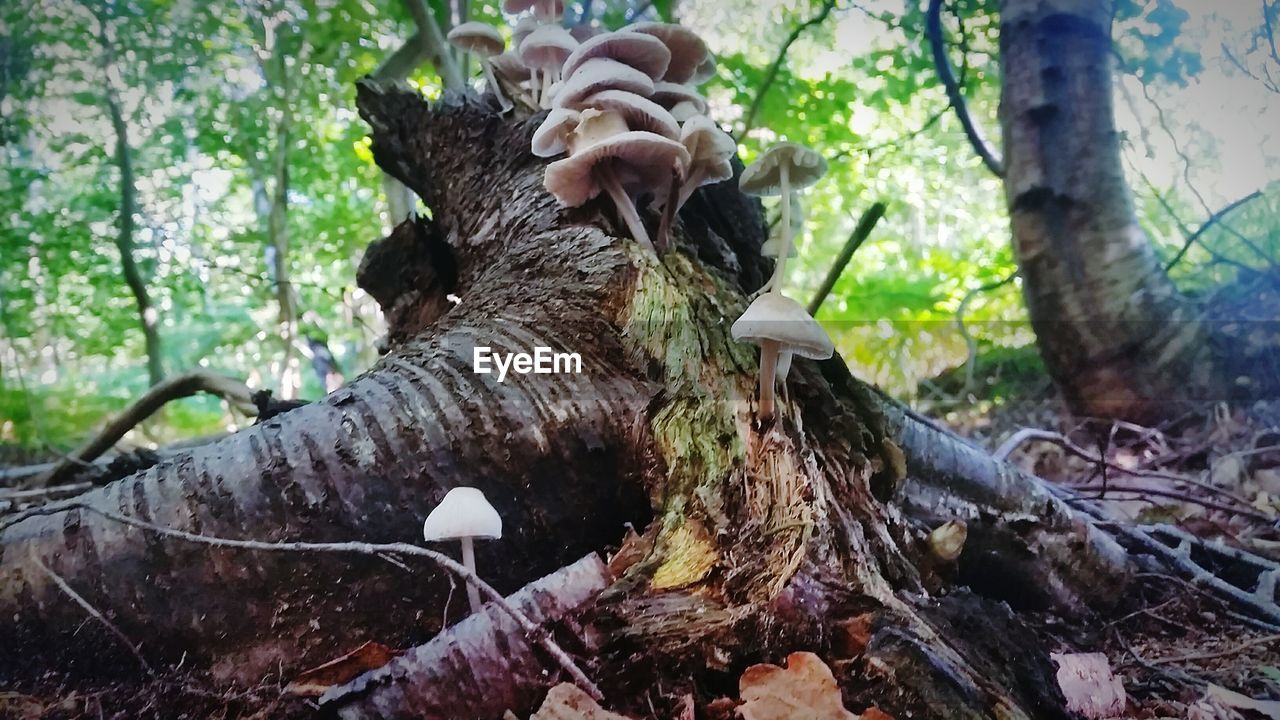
187	185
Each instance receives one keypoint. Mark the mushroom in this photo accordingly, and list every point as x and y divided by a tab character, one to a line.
600	74
640	113
547	11
779	324
642	52
508	68
783	167
485	42
550	139
464	515
606	155
544	51
709	150
583	31
523	27
704	71
688	51
670	95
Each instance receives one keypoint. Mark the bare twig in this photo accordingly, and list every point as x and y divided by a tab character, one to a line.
534	632
1104	490
1235	648
772	73
865	225
93	612
1235	554
172	388
1214	218
933	29
70	489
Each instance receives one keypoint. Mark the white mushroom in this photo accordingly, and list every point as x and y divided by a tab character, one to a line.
464	515
551	137
544	51
599	74
779	324
688	51
709	150
642	52
485	42
780	169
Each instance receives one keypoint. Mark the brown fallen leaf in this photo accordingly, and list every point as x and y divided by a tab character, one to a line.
314	682
805	689
1089	686
568	702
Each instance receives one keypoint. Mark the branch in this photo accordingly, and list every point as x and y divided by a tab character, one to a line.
173	388
532	631
971	344
772	74
432	44
1214	218
859	235
933	29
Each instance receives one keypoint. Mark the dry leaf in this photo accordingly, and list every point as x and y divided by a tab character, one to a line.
1218	695
1089	686
568	702
314	682
805	689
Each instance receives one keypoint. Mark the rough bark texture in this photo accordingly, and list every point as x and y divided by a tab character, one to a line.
1115	334
763	540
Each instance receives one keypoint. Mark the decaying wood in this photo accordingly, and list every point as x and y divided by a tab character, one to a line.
763	539
480	667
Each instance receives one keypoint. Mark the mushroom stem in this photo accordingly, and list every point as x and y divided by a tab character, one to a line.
469	560
768	373
690	184
546	86
780	267
622	201
494	87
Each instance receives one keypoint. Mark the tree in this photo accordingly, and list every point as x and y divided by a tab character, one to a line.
762	538
1118	338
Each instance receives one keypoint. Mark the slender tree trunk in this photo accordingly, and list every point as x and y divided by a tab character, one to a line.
278	222
148	316
1117	337
759	541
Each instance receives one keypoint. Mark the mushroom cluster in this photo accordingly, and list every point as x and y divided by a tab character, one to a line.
778	324
624	109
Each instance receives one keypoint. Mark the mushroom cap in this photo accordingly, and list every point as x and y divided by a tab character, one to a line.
643	52
519	6
764	176
705	71
583	32
773	248
547	47
477	37
508	66
684	110
524	26
773	316
600	74
688	51
640	113
643	160
705	140
549	138
669	94
947	540
463	513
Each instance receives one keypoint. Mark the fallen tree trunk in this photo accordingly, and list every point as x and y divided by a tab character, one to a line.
763	539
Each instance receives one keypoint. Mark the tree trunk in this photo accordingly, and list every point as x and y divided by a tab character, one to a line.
278	223
1117	337
763	540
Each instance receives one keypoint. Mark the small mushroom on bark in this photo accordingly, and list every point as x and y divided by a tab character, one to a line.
606	155
709	150
642	52
946	542
464	515
544	51
779	324
688	51
782	168
485	42
600	74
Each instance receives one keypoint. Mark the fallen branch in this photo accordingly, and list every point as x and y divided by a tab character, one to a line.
933	29
865	225
1234	649
1103	491
93	612
180	386
533	632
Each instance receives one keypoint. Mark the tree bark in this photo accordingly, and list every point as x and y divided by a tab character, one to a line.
763	540
1117	337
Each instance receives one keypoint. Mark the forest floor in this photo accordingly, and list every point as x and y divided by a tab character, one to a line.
1179	651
